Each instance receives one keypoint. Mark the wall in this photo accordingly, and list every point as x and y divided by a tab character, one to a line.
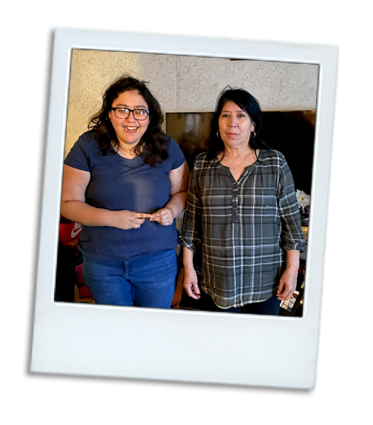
185	83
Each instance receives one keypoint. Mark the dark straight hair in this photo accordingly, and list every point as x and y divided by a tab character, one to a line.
247	103
153	144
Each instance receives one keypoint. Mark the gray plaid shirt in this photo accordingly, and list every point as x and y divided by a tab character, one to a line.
242	227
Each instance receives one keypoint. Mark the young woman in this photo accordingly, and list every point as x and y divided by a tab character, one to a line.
125	181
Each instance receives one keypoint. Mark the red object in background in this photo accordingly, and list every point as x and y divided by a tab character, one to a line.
84	292
69	237
69	234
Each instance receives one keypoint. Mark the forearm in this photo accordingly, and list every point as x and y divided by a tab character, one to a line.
85	214
292	261
188	258
176	203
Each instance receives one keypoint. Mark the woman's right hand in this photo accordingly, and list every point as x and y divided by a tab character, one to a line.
127	220
190	283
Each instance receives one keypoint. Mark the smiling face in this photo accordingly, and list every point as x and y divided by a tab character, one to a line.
129	130
235	126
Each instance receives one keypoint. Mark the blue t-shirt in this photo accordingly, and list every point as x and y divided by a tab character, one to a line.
119	183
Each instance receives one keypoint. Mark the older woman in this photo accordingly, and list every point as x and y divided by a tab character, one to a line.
125	181
241	215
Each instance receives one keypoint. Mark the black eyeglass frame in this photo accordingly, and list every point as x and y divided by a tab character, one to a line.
129	112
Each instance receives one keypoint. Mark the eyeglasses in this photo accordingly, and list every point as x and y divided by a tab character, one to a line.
138	114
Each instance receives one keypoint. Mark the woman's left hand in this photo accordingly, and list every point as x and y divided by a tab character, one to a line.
287	285
163	216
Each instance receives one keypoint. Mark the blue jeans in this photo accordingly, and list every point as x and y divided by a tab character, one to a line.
144	281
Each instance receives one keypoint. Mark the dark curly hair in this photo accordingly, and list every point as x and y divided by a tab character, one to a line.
246	102
153	144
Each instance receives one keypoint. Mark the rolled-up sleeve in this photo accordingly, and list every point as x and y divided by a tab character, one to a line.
191	230
292	237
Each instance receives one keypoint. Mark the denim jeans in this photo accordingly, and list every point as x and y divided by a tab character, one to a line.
144	281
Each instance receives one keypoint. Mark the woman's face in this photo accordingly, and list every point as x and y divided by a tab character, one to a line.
235	125
129	130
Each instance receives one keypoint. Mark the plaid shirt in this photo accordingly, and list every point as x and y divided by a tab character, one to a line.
242	227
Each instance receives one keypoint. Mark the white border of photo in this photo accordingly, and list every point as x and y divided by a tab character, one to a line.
179	345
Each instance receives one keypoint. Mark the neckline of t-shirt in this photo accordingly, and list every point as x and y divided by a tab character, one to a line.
127	159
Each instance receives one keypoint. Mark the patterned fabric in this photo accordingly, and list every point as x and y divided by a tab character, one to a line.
243	227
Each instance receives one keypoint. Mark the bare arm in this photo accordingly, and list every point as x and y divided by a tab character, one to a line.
74	207
288	280
178	196
190	283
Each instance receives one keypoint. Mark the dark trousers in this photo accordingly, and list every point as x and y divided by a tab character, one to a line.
269	307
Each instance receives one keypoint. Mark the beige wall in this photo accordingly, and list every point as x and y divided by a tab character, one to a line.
185	83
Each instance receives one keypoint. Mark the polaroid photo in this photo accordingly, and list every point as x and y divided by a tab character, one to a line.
296	88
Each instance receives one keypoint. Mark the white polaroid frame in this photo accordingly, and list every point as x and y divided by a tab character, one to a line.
179	345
